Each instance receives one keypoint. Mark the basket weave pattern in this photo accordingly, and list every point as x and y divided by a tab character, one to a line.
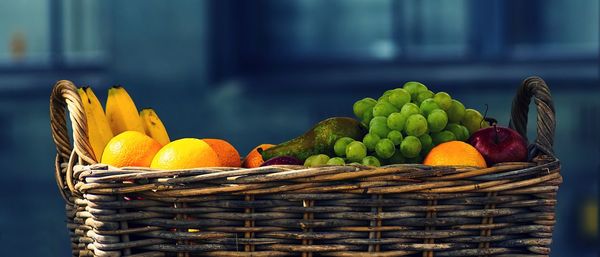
397	210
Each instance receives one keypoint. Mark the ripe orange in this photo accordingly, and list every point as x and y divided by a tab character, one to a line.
254	159
455	153
186	153
227	154
130	148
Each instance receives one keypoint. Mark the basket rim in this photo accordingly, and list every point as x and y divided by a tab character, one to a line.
398	178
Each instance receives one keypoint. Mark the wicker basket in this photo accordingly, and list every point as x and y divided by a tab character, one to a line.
399	210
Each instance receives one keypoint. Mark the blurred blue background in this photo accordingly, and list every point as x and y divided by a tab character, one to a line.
257	72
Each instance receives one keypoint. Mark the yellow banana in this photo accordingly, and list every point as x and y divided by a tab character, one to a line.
121	112
154	127
99	132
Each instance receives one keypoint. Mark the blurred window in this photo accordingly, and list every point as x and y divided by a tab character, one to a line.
316	28
24	31
377	29
432	27
554	28
85	25
45	33
421	30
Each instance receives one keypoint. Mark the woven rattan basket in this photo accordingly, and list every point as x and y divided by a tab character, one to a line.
399	210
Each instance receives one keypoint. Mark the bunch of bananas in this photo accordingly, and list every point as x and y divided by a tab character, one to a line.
121	115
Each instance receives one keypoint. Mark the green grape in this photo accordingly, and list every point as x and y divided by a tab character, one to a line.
340	146
309	160
473	120
437	120
367	117
416	125
414	88
355	163
370	140
391	91
371	161
426	143
410	109
316	160
410	147
442	137
384	98
378	120
399	97
460	132
385	148
378	126
388	92
336	161
397	158
411	87
443	99
429	105
319	160
386	95
466	132
396	121
356	151
363	105
383	108
456	111
395	136
455	129
421	88
417	160
423	95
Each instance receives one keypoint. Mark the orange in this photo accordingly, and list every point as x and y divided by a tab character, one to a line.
185	153
455	153
130	148
254	159
227	154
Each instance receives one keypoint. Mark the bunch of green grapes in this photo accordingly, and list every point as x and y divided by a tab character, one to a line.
404	125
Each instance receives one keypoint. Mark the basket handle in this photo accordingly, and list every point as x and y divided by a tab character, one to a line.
64	95
546	122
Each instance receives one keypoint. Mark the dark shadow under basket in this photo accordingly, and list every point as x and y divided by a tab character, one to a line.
398	210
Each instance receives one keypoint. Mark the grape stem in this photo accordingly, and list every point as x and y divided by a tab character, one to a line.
485	118
493	122
489	120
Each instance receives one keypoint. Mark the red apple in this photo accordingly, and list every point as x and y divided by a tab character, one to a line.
499	144
282	160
